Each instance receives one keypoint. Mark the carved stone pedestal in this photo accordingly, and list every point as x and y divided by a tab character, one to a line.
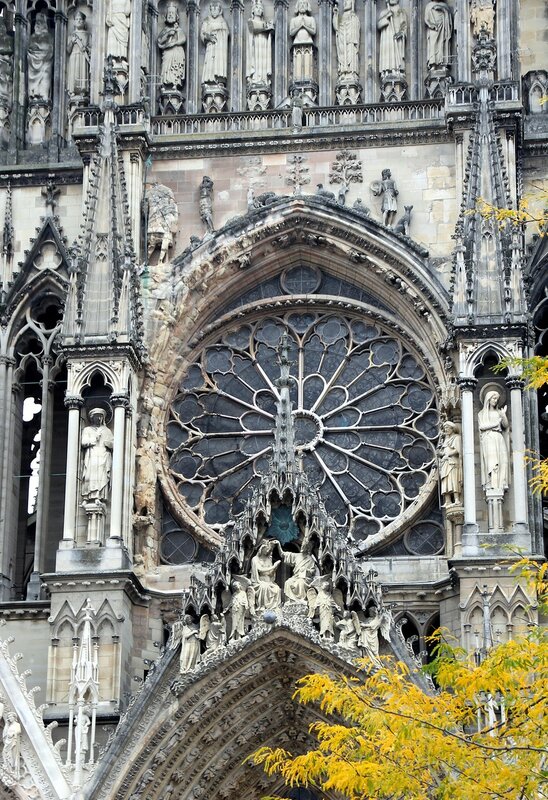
494	499
214	97
96	513
172	101
348	92
120	72
308	90
259	96
437	82
455	518
393	87
38	117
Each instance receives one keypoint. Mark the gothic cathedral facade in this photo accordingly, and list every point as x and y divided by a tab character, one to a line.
253	297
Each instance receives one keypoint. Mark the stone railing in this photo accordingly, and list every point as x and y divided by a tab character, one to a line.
220	123
410	110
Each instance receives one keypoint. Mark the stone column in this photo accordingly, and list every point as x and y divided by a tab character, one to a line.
281	51
120	403
17	134
415	51
74	404
468	453
58	113
516	385
370	51
135	53
504	31
6	433
237	34
192	82
153	64
462	36
325	52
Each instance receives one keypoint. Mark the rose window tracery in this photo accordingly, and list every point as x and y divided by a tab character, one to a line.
364	418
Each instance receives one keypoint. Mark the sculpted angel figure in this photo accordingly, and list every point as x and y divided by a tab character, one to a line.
268	594
322	603
190	644
349	627
305	569
369	632
493	424
213	631
242	605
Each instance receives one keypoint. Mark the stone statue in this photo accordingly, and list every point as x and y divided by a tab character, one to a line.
268	594
97	444
118	14
387	187
392	25
493	423
40	60
259	47
171	41
451	464
213	631
347	37
302	29
439	29
190	645
214	35
369	633
349	627
206	203
322	603
305	569
83	724
78	50
6	62
242	604
482	16
11	739
163	217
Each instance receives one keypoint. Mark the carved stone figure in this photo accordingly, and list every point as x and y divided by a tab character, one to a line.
268	594
302	29
163	217
118	14
392	25
322	603
369	633
6	62
97	444
305	568
387	187
40	60
402	225
349	627
214	35
347	37
439	29
451	464
242	604
493	423
78	50
482	16
213	631
190	645
171	41
11	739
259	47
206	203
83	724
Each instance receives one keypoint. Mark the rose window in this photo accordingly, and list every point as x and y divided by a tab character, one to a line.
363	411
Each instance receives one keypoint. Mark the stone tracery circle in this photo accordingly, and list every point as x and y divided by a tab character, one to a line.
364	414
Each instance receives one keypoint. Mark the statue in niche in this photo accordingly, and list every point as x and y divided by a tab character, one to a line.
322	603
493	424
171	41
268	594
190	644
242	604
369	633
163	217
11	740
214	35
78	49
212	631
259	47
387	187
6	62
439	29
451	464
392	25
206	203
97	443
305	569
349	627
118	14
482	16
40	60
302	29
347	38
83	724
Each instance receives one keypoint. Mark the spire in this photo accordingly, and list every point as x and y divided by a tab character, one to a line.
487	288
104	300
